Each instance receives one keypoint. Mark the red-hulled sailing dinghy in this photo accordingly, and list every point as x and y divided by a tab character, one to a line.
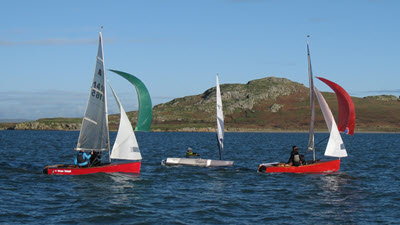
317	167
130	167
335	146
94	134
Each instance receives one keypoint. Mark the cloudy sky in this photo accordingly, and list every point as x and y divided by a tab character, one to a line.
48	48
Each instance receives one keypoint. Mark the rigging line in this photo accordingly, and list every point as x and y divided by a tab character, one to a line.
322	140
315	146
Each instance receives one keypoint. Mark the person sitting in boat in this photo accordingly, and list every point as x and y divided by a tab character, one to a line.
82	158
190	154
95	159
295	158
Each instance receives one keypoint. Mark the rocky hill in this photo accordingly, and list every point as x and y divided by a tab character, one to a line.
267	104
246	106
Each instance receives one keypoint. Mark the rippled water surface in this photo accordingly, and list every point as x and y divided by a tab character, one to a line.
365	190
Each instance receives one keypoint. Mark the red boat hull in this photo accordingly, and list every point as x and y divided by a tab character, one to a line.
131	167
317	167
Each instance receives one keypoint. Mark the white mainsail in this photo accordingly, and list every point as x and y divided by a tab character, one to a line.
335	146
220	117
220	140
125	146
94	131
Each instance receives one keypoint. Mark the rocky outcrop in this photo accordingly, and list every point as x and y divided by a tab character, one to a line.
42	126
235	97
383	98
275	107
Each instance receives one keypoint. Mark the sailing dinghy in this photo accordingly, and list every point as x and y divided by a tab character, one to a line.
220	142
335	146
94	134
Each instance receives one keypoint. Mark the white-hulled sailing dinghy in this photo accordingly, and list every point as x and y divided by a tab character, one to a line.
220	139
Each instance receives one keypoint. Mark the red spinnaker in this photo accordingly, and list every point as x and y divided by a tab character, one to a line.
347	112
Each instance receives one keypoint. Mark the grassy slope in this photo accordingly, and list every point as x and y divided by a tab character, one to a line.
247	108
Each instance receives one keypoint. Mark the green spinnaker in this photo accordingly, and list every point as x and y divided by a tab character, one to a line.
145	108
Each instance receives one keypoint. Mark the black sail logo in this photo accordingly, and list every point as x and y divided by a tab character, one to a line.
99	73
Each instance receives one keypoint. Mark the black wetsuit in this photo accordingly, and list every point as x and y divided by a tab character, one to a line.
296	158
95	160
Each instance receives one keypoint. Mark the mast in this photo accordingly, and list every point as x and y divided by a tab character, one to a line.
311	143
105	99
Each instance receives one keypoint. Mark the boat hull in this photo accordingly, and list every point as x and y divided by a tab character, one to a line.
317	167
131	167
197	162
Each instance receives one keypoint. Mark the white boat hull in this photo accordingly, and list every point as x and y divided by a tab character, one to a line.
197	162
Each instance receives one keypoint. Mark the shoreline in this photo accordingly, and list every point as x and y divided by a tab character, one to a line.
228	131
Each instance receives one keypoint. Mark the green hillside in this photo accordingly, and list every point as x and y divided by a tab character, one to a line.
267	104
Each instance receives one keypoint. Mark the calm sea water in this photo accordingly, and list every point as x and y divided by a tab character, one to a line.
365	190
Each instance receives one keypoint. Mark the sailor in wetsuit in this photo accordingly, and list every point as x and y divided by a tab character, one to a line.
95	159
190	154
82	158
295	158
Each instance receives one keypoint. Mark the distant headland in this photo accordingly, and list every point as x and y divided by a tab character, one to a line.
269	104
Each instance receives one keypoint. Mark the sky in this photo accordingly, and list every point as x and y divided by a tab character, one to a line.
176	47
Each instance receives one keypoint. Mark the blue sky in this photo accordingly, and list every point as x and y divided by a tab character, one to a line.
48	48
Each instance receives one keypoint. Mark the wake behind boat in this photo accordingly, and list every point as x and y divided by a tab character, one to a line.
220	142
335	146
94	134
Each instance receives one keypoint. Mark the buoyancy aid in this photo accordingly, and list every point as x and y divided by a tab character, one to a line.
80	158
296	159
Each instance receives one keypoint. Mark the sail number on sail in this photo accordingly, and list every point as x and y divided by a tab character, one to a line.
97	90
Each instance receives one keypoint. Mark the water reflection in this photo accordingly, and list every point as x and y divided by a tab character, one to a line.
333	182
338	197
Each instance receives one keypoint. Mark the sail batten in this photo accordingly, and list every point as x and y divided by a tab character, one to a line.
88	119
98	91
